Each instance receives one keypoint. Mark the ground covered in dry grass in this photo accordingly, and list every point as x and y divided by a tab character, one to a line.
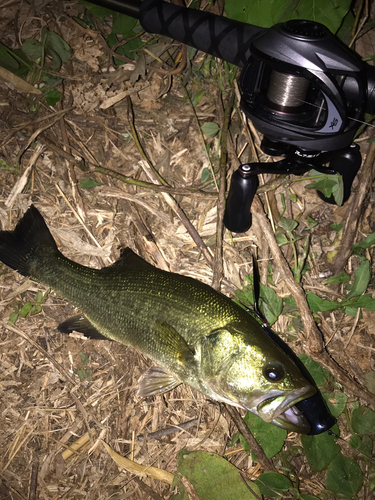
73	161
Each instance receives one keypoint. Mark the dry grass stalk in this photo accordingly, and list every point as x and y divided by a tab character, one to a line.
141	470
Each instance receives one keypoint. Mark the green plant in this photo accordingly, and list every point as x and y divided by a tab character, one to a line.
22	310
39	61
266	14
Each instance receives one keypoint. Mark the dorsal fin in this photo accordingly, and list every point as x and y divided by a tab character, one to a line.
130	259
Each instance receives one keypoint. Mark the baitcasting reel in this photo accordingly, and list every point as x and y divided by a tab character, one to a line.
302	88
306	92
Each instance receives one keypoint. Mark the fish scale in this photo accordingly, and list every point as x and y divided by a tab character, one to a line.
194	334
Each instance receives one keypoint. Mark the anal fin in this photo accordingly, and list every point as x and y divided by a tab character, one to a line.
156	380
79	323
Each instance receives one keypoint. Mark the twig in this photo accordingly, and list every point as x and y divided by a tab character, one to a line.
34	479
22	181
314	338
248	487
171	430
185	191
138	144
265	462
353	215
218	260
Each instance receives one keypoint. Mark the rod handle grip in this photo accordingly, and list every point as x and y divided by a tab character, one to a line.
219	36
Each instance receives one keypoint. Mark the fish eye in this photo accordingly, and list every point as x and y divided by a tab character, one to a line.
274	371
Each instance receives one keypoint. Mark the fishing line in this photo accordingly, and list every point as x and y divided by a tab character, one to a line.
289	91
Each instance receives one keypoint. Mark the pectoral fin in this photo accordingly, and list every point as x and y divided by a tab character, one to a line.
172	344
79	323
156	381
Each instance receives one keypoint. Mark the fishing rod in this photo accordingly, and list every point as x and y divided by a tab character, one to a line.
302	88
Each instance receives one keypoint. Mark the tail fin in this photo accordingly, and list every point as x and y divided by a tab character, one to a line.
22	248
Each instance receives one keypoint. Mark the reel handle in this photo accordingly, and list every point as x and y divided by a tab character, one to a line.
237	216
216	35
347	165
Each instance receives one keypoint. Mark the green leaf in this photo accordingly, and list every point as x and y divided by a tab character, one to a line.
328	185
210	129
312	221
89	183
337	227
14	60
293	197
13	317
318	373
84	358
336	402
32	48
123	25
352	311
363	420
363	445
270	437
288	224
369	379
26	309
364	301
7	59
321	449
58	45
309	497
273	484
366	243
317	304
266	13
197	97
281	239
52	97
361	279
212	477
343	277
96	10
271	304
206	175
344	476
36	309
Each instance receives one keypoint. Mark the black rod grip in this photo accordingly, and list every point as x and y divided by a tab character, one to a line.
216	35
243	186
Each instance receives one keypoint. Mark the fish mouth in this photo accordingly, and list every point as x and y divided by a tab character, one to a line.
279	409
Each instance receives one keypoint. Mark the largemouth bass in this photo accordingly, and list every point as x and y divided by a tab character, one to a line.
194	334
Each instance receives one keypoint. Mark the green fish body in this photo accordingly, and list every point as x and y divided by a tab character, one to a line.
194	334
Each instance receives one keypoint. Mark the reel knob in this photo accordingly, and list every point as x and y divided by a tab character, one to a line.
237	216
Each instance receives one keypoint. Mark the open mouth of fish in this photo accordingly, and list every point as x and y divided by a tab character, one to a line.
279	409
